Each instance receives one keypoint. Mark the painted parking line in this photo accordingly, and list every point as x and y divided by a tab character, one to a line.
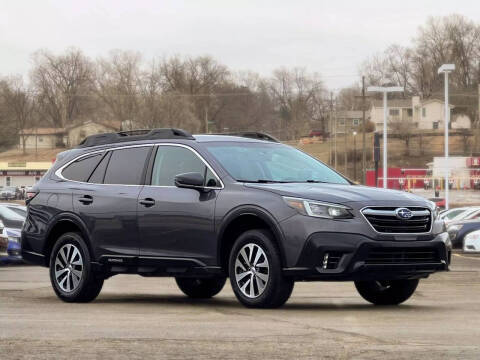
467	257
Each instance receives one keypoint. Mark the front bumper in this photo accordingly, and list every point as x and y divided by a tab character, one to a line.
343	257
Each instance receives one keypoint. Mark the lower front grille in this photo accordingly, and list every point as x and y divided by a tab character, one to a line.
402	256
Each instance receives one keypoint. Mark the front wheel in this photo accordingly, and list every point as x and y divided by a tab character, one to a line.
388	292
256	272
201	288
71	272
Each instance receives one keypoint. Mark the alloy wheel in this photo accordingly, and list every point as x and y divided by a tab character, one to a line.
68	268
251	270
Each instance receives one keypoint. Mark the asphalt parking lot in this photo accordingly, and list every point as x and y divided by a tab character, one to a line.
140	318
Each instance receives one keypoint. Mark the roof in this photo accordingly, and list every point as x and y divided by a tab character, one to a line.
393	103
350	114
43	131
431	100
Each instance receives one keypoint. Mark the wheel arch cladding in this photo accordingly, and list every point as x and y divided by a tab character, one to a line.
243	220
62	225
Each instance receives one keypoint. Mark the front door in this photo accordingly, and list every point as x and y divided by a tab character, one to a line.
178	223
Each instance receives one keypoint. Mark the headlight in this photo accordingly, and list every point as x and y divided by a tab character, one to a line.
453	231
319	209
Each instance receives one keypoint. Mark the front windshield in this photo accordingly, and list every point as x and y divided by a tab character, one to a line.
271	162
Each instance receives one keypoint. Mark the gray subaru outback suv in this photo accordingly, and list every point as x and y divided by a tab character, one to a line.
205	208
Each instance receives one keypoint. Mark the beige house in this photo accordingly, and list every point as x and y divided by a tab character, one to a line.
76	133
426	114
347	121
43	138
50	138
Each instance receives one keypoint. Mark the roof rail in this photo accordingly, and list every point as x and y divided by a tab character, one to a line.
252	135
134	135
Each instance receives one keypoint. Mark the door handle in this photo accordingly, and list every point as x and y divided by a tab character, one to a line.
148	202
86	199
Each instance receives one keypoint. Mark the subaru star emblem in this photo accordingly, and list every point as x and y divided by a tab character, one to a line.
403	213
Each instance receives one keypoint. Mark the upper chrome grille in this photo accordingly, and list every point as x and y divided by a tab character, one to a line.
386	220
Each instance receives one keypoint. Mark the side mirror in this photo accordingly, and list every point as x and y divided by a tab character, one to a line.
192	180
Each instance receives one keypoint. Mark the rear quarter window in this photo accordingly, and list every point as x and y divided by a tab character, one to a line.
81	169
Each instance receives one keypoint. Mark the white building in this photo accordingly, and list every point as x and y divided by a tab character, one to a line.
22	173
428	114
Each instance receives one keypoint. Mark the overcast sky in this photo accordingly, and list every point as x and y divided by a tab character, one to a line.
331	37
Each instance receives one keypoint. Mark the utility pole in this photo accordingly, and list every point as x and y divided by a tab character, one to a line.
206	119
364	146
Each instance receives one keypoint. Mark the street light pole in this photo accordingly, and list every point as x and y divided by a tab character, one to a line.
446	69
355	156
385	90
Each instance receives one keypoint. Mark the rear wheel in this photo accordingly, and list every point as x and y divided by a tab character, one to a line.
388	292
200	288
256	272
71	272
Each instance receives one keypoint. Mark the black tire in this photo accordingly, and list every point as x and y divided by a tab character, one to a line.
391	292
277	289
201	288
89	285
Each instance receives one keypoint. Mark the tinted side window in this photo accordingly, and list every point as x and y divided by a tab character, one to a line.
99	172
126	166
173	160
81	169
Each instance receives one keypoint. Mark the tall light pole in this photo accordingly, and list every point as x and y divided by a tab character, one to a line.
354	156
385	90
446	69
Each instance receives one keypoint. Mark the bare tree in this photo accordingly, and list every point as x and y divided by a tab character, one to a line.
117	84
450	39
200	78
296	95
20	105
60	82
404	129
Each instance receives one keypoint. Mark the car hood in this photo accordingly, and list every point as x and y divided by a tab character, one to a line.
345	194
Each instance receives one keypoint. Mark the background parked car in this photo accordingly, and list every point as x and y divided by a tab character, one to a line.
451	213
471	213
12	218
19	209
8	193
457	231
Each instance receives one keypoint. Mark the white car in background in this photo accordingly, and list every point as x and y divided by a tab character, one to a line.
451	213
470	213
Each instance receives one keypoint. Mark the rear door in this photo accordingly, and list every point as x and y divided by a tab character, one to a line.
107	202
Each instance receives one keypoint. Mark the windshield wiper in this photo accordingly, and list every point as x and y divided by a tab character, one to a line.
311	181
263	181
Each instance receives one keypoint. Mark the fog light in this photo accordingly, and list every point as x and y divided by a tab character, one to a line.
325	261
